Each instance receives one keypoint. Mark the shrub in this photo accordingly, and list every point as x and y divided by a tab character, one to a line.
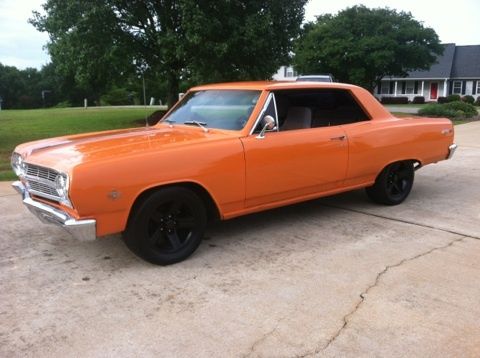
117	96
463	109
442	100
394	100
477	102
456	109
468	99
63	104
418	100
453	98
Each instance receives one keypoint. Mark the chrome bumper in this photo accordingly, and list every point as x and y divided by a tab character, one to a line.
84	230
451	150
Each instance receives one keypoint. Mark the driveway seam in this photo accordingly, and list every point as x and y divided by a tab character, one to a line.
402	221
347	318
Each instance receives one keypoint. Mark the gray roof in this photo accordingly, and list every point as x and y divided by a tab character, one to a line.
442	68
466	62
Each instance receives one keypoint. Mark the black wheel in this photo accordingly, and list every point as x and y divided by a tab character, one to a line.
167	226
393	184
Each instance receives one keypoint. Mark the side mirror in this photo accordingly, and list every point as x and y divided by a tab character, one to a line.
268	123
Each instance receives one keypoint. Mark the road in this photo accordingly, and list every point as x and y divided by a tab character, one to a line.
338	276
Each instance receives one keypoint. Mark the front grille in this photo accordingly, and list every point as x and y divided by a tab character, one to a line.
41	172
41	181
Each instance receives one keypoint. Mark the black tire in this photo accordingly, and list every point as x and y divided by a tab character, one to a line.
393	184
167	226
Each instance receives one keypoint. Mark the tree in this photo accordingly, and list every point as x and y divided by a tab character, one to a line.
361	45
97	41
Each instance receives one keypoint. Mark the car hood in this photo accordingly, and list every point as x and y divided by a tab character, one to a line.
62	153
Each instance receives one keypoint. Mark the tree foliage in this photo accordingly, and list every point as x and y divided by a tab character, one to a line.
361	45
98	42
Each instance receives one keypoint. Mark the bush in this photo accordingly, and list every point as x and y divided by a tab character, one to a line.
468	99
453	98
451	110
117	96
442	100
477	102
63	104
394	100
418	100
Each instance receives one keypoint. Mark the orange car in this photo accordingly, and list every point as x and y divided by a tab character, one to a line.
225	150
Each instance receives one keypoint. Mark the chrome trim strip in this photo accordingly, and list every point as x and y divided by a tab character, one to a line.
83	230
451	150
264	108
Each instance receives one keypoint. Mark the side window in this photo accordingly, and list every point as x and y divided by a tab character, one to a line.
270	109
300	109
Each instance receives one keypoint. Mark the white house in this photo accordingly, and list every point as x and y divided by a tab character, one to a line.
285	73
457	71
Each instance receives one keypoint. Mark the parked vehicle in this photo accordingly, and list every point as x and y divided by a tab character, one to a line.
223	151
315	78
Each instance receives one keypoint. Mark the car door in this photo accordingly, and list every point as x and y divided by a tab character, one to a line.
290	164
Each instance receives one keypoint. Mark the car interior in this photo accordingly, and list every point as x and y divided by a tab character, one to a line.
301	109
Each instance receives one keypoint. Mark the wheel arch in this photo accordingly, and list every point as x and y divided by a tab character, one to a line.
213	211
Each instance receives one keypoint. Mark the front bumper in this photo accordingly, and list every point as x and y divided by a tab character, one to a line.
84	230
451	150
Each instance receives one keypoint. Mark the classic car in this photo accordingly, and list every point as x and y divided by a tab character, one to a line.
222	151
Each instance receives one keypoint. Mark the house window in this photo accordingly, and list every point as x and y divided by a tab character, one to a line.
457	87
385	87
478	87
289	73
410	87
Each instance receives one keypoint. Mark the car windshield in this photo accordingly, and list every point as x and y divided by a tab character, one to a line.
223	109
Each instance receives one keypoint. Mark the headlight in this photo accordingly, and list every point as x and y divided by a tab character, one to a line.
61	185
17	164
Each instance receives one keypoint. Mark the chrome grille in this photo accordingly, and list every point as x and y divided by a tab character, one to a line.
41	181
41	172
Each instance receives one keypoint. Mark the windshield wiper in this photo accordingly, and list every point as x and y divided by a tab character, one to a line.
200	124
169	121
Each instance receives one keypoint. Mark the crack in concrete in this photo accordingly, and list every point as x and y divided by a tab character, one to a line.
263	338
346	319
401	221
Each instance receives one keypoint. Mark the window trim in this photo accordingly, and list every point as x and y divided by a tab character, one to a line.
408	83
453	87
385	84
271	96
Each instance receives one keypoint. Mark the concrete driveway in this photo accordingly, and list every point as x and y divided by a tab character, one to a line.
333	277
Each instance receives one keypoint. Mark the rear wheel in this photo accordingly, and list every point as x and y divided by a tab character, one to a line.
393	184
167	226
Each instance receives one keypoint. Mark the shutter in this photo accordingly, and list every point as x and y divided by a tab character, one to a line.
464	85
284	71
416	87
450	87
474	89
404	85
379	87
392	87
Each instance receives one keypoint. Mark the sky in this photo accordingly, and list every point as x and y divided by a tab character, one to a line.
21	45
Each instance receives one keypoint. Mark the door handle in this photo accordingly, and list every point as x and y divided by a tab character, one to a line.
342	137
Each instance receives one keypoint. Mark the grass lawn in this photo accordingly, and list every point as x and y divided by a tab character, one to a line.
19	126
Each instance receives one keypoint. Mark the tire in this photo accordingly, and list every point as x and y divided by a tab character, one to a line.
393	184
167	226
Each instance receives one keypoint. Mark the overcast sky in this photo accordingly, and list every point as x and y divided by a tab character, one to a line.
454	21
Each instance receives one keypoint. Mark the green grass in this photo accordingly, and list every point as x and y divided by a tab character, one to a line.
19	126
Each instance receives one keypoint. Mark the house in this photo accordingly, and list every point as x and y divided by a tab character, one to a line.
457	71
285	73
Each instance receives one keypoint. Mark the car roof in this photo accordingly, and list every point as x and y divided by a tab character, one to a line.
271	85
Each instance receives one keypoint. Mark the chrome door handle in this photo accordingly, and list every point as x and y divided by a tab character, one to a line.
342	137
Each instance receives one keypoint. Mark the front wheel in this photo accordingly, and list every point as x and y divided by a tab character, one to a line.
393	184
167	226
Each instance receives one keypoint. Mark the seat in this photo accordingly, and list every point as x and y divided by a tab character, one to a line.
298	118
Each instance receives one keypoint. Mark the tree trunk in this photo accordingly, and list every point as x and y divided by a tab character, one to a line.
172	89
